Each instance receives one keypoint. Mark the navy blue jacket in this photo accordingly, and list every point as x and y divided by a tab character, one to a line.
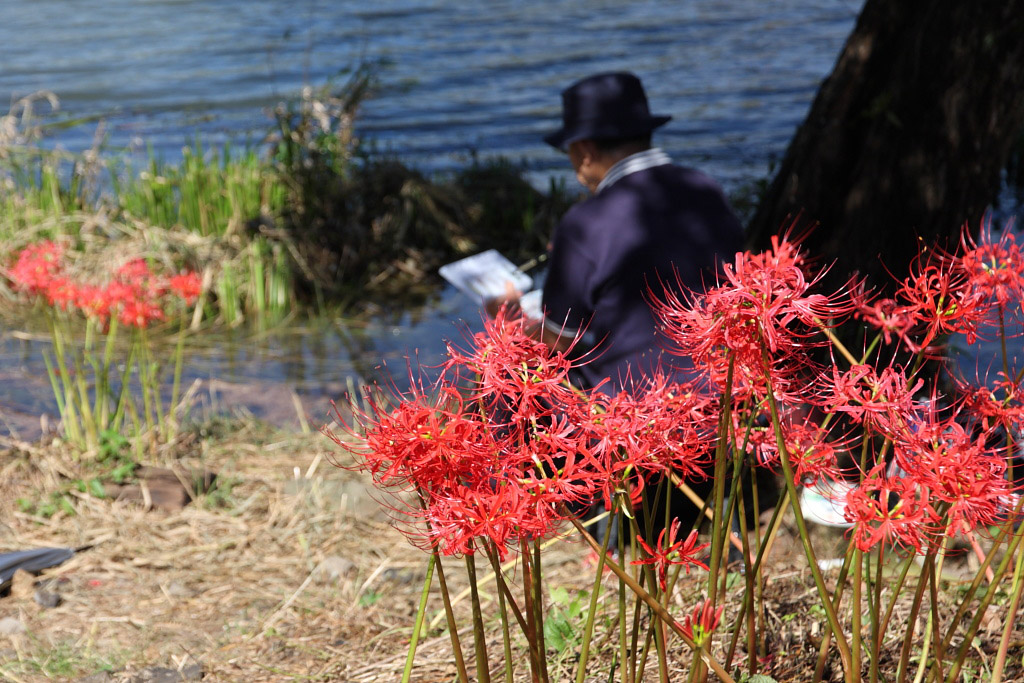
665	226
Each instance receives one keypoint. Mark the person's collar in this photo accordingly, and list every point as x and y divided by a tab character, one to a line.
641	161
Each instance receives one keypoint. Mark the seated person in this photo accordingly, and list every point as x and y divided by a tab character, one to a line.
649	227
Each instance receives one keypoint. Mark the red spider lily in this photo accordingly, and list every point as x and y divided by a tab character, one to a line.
966	480
502	513
187	286
446	453
425	442
512	372
995	268
557	463
135	271
998	404
811	447
93	302
812	452
61	292
763	307
870	397
941	297
670	552
36	267
885	315
140	313
702	622
628	440
892	510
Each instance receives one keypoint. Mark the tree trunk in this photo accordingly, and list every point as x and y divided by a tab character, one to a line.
906	140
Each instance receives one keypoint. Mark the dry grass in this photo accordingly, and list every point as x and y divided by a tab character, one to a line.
236	580
229	580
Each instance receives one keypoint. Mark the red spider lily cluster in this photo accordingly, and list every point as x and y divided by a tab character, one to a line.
134	296
501	448
962	293
933	464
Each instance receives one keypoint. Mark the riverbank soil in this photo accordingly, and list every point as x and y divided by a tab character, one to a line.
288	569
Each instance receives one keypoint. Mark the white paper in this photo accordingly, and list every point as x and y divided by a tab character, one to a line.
483	276
530	304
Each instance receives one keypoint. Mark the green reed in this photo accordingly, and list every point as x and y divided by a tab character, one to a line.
210	192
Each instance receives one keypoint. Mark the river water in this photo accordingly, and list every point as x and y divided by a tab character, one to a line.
456	80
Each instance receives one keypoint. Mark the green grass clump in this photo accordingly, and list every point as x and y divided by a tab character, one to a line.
215	192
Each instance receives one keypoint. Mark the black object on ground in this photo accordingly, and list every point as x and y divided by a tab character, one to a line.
35	561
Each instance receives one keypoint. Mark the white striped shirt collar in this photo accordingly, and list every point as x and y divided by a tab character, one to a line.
641	161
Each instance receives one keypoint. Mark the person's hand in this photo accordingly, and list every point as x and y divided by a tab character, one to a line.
510	300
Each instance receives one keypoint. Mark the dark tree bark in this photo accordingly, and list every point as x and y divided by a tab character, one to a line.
906	140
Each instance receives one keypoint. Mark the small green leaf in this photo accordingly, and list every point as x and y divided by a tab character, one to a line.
368	598
96	488
559	595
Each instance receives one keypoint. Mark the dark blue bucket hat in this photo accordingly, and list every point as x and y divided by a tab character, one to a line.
602	107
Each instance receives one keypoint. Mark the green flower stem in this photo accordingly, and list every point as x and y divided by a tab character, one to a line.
855	635
453	631
179	355
719	533
748	574
533	637
124	399
695	670
419	620
748	598
150	380
143	369
660	645
656	607
633	668
787	469
877	633
933	618
1011	621
74	427
595	593
62	405
503	588
89	356
896	590
628	663
538	605
82	386
978	577
506	641
986	600
908	637
826	640
436	621
479	637
638	665
729	516
104	393
659	631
